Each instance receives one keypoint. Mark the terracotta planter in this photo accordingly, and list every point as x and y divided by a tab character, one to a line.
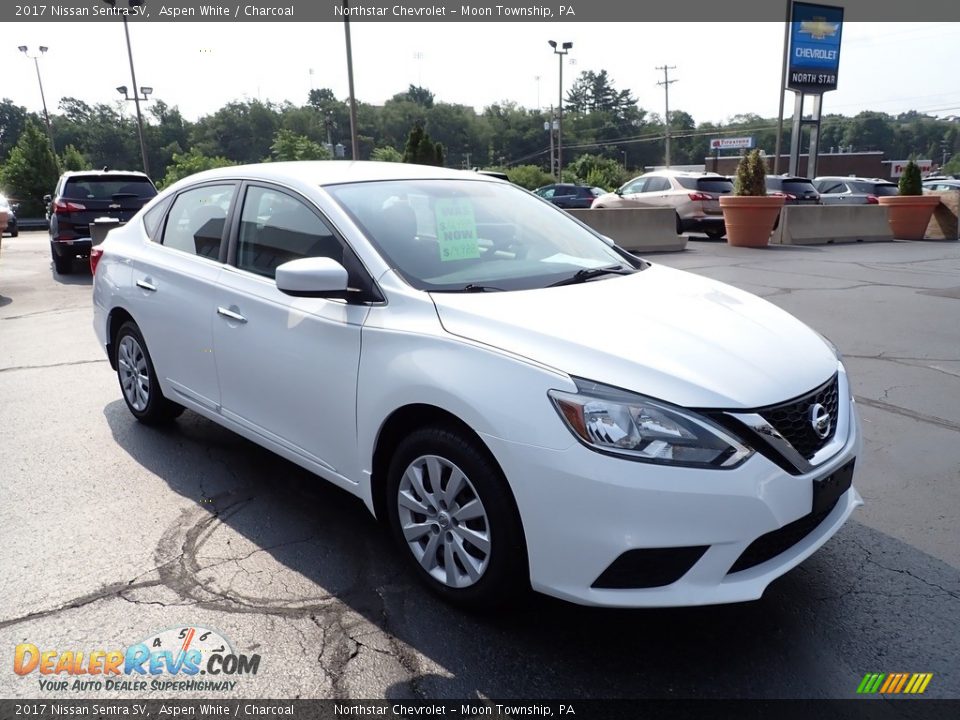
749	219
909	215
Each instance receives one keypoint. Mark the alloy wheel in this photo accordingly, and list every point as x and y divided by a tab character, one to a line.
134	374
443	521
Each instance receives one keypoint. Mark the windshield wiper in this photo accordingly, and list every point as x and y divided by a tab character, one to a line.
589	273
471	288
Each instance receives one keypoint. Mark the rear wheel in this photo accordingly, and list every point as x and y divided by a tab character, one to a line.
63	264
455	520
716	234
138	380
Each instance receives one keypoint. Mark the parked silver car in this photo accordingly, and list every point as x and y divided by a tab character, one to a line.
694	196
853	190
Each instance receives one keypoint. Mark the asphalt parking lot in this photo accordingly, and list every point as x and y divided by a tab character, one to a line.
112	531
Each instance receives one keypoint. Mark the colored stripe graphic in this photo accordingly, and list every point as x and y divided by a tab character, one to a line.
894	683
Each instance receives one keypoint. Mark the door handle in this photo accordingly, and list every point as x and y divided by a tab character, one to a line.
231	315
146	285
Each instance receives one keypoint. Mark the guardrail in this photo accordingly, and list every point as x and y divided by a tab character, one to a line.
828	224
640	230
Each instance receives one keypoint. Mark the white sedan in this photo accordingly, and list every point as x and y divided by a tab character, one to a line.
524	403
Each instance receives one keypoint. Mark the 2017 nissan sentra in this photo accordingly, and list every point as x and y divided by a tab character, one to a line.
523	402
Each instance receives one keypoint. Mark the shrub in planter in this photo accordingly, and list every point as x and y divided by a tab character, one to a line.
749	214
909	212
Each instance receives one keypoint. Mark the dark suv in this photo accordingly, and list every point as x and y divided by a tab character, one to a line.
793	190
81	198
569	196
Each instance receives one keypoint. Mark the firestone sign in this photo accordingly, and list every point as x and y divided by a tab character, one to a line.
814	47
731	143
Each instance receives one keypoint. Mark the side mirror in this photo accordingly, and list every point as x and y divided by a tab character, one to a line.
48	199
619	191
317	277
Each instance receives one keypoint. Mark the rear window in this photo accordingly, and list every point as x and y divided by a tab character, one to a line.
884	190
99	188
717	186
798	187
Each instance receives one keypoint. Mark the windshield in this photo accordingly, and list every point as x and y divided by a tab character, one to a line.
465	235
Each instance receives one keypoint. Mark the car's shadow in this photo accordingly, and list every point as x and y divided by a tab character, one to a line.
320	555
80	275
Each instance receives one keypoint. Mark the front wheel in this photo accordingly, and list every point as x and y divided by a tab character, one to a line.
454	518
138	379
716	234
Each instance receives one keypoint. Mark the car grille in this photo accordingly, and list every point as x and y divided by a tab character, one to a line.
773	543
792	419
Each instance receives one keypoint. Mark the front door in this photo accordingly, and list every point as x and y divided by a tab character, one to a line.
287	365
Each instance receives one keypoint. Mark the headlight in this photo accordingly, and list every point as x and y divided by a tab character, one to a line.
614	421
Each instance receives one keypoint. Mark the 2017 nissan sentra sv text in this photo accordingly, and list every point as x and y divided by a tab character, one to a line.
524	403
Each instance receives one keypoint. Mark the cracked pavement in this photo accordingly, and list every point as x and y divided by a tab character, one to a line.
112	531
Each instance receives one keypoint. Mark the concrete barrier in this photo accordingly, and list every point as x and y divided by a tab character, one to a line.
638	230
943	224
827	224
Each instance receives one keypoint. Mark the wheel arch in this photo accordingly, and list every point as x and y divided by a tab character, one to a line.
402	422
115	320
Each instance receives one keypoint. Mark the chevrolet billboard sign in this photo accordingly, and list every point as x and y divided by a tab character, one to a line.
814	47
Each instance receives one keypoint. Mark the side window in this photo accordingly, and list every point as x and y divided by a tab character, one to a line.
657	184
548	193
196	220
276	228
153	218
635	186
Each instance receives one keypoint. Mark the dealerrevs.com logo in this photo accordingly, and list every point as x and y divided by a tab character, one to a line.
181	659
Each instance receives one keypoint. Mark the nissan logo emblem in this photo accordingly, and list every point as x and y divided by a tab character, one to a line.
820	420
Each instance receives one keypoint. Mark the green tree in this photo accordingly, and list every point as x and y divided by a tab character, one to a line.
30	171
597	170
73	159
290	146
594	92
186	164
529	176
13	119
386	154
421	149
241	131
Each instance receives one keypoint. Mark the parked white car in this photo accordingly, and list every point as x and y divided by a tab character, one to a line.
524	403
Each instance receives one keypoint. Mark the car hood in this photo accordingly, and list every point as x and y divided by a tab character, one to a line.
661	332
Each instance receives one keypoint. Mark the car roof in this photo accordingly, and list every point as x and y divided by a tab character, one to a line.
854	179
684	173
334	172
103	173
790	178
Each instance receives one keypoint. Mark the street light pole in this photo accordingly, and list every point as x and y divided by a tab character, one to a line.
46	116
354	142
667	82
560	53
133	77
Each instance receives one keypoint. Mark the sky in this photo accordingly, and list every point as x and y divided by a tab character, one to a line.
201	66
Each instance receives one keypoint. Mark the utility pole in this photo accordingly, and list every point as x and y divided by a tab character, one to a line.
666	103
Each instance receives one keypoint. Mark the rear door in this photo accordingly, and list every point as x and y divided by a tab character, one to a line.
833	192
174	290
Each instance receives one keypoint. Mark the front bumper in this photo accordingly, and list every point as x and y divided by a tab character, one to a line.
582	510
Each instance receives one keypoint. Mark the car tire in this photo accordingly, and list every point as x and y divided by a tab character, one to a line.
62	264
138	379
14	232
465	542
716	234
679	224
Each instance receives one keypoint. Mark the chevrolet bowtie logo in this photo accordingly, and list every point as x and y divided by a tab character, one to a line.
819	28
